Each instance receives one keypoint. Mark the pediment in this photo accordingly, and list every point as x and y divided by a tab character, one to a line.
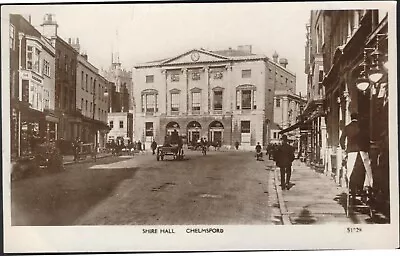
194	56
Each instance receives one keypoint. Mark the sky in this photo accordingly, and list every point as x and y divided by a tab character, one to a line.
146	32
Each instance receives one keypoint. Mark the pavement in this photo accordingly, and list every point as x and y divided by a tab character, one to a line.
315	198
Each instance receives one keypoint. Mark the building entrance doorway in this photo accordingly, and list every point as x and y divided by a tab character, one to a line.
194	129
171	126
216	132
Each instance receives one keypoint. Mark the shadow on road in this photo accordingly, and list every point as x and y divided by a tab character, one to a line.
59	199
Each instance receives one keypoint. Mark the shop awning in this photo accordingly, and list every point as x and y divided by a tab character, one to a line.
291	128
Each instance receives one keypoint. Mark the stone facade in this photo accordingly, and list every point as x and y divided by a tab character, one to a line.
224	96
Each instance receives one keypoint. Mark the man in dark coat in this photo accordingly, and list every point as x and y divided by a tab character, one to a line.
357	144
284	156
154	147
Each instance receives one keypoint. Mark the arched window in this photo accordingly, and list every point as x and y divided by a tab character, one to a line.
149	101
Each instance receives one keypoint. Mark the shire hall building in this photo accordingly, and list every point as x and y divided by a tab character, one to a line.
224	96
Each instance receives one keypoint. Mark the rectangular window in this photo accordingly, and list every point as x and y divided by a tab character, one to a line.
82	85
46	68
174	102
278	103
245	126
91	107
46	99
86	82
217	100
150	103
196	101
99	113
246	99
246	73
150	79
121	124
82	105
12	37
254	99
66	64
29	57
149	129
142	102
86	108
274	135
111	124
91	85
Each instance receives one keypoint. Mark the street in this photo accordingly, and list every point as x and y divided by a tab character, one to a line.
219	188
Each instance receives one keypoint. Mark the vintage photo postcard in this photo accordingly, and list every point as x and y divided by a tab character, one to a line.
183	126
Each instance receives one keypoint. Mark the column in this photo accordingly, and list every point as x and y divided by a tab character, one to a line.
207	79
185	92
324	152
285	112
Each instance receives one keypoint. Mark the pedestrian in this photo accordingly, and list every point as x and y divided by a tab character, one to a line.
357	144
258	152
237	145
154	146
284	156
139	146
75	146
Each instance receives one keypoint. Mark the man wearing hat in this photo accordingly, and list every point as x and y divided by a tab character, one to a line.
284	156
357	144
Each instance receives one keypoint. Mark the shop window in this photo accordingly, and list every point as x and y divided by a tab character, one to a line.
245	126
149	129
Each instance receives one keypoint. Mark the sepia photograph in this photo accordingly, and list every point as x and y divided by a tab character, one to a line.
183	126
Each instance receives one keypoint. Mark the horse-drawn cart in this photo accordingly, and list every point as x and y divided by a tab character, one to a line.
172	147
174	150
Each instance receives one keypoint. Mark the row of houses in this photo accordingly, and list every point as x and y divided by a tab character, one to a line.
56	93
346	58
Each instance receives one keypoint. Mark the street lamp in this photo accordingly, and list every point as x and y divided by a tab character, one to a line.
374	72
